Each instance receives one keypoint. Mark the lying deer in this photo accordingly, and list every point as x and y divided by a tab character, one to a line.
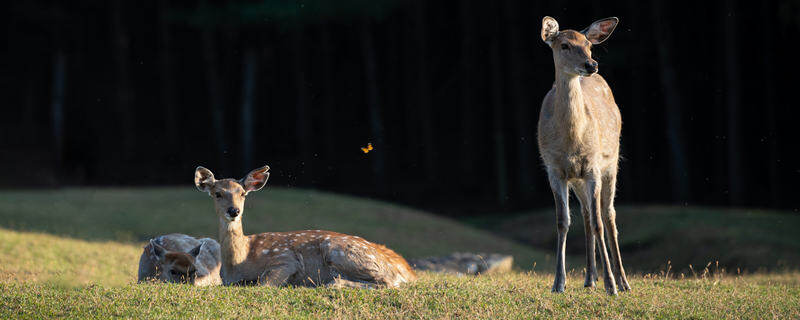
179	258
303	258
579	131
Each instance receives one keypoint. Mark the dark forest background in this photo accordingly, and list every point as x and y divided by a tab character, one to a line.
448	92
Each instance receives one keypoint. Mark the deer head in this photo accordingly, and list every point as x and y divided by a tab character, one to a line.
175	266
572	50
229	194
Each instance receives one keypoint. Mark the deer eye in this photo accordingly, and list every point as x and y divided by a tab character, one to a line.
218	195
564	47
244	194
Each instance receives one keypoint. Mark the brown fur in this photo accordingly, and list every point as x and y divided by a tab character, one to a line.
306	258
579	131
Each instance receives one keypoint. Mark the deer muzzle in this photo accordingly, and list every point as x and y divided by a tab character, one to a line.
233	212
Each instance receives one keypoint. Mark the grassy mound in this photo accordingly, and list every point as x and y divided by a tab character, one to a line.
95	223
64	262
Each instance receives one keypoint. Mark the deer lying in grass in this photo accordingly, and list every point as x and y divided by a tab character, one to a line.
179	258
579	131
303	258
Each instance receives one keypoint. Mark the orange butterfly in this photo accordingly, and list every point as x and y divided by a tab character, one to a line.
368	148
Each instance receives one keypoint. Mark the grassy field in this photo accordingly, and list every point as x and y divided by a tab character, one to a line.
73	253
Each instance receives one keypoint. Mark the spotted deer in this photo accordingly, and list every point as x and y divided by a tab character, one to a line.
302	258
179	258
579	132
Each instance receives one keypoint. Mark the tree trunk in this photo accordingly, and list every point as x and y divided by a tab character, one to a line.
373	105
423	89
57	107
249	67
679	176
167	79
525	140
123	96
329	97
393	92
769	102
501	170
466	109
732	98
215	97
304	120
636	121
29	114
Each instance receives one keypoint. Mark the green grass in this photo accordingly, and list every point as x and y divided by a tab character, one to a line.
516	295
73	253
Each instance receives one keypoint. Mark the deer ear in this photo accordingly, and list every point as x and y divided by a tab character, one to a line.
156	251
549	29
256	179
196	251
203	179
600	30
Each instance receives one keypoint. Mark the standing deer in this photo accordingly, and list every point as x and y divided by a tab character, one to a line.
579	131
179	258
305	258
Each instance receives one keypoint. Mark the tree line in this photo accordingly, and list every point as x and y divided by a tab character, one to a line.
448	92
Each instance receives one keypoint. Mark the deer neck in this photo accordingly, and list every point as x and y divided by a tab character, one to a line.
233	243
570	110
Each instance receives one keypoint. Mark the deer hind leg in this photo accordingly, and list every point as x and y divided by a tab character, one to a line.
593	190
354	264
561	195
339	282
591	265
610	221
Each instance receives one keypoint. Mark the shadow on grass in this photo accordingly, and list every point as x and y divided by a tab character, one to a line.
650	236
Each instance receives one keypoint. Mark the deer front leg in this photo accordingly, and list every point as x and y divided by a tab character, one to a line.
276	276
561	194
593	191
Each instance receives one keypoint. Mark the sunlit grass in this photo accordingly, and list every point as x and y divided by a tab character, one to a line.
34	257
515	295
